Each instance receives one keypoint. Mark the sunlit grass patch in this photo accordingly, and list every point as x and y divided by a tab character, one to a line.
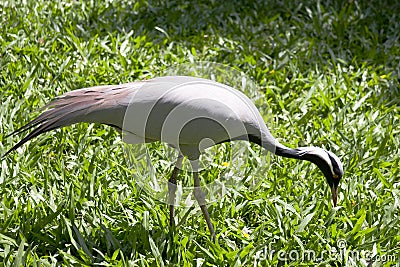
329	75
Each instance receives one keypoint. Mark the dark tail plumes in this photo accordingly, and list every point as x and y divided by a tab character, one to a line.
100	104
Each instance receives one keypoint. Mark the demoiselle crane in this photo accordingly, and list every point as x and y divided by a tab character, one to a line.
189	113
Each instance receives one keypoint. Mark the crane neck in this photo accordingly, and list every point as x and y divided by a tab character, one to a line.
301	153
272	145
294	153
311	154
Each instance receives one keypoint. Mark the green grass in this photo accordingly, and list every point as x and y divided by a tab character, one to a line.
329	71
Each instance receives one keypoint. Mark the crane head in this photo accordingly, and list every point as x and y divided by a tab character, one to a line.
334	175
327	162
330	165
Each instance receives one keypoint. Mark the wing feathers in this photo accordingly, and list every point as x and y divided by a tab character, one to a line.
101	104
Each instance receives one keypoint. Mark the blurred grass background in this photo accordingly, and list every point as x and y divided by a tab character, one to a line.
330	74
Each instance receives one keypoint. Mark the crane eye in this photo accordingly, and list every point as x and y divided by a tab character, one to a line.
335	176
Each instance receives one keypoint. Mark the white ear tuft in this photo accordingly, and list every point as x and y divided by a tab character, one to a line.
323	154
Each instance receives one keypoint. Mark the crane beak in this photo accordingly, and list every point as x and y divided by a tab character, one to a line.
334	190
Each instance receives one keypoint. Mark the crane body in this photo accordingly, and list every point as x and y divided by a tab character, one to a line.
189	113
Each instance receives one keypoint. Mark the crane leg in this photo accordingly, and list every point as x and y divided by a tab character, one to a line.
172	190
200	197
